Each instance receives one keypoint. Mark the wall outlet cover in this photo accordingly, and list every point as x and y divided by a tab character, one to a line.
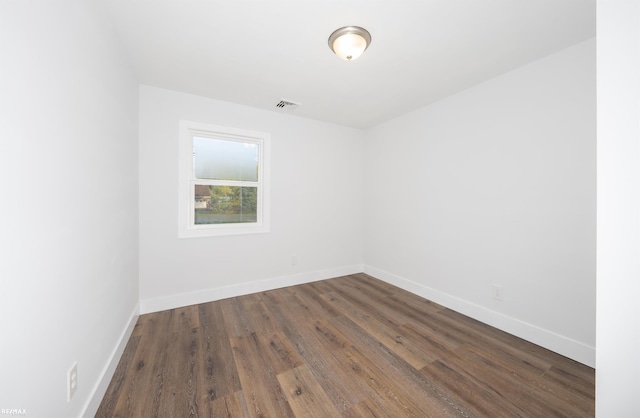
497	292
72	381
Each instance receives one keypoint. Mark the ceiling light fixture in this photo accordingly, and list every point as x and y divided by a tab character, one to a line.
349	42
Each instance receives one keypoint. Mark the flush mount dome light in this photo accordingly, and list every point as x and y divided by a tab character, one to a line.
349	42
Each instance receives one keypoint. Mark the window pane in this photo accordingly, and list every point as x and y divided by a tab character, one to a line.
225	204
219	159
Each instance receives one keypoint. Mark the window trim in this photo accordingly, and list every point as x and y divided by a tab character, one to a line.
186	196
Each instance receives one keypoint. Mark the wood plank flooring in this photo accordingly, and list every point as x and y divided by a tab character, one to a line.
351	346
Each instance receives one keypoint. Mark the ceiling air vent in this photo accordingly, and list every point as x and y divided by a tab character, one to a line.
287	104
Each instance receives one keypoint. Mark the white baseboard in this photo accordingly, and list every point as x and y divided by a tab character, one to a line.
567	347
223	292
92	405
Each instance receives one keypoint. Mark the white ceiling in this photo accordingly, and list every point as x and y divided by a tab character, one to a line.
256	52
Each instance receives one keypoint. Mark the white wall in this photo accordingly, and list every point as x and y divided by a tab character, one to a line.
68	212
495	185
316	205
618	319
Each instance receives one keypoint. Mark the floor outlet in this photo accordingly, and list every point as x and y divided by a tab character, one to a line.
72	381
497	292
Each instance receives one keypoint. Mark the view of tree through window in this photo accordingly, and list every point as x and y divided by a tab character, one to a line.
225	204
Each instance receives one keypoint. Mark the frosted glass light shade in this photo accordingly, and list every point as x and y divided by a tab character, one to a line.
349	42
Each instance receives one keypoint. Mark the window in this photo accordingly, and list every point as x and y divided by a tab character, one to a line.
224	187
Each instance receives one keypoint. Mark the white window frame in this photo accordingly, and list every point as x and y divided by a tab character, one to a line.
186	199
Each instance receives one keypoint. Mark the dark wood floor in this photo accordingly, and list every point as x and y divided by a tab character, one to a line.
352	346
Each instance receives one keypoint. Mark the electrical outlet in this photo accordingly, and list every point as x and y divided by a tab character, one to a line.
497	292
72	381
294	260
